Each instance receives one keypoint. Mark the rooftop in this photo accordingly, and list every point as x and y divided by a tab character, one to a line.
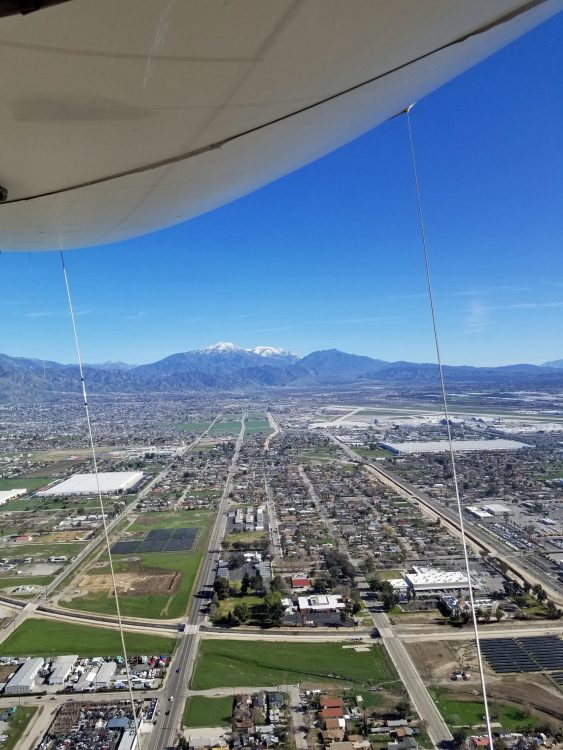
85	484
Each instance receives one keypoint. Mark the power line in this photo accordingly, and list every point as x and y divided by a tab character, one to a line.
100	498
448	429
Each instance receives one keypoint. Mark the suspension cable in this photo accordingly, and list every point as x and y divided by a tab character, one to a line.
448	429
100	499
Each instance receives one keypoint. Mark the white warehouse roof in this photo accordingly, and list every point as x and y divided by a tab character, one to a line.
61	668
85	484
460	446
23	680
6	495
426	579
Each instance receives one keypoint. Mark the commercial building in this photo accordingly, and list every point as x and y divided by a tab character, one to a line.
478	513
431	582
320	603
497	509
110	482
105	674
24	680
61	668
459	446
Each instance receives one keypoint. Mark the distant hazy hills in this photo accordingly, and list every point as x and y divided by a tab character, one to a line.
225	366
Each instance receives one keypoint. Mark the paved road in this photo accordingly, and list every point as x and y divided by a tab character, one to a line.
422	701
274	528
165	732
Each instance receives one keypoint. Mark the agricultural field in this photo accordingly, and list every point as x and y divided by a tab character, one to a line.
230	427
257	424
152	585
208	712
36	637
230	663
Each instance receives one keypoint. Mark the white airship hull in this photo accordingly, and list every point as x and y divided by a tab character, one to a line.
122	117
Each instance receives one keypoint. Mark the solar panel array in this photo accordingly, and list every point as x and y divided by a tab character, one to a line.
159	540
531	654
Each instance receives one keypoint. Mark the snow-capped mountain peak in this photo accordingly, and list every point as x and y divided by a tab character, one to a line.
270	351
221	346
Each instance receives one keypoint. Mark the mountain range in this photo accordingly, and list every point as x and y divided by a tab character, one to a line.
224	366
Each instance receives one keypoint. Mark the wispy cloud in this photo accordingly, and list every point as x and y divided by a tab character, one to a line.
55	313
135	316
478	316
473	292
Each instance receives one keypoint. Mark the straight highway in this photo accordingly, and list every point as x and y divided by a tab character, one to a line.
165	732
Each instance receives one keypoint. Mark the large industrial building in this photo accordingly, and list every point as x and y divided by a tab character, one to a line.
6	495
24	680
459	446
432	582
111	483
61	668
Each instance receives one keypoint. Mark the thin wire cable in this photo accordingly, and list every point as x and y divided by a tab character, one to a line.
100	498
449	431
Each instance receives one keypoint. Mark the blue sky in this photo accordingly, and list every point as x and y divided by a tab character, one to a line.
330	256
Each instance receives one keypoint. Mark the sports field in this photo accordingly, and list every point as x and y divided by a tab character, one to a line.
230	663
36	637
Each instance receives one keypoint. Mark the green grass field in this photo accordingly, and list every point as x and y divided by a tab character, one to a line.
247	537
255	425
43	503
152	606
41	551
374	453
232	427
166	605
24	483
181	519
462	713
226	663
208	712
52	638
17	726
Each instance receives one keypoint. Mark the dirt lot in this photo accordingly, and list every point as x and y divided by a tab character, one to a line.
437	660
131	583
